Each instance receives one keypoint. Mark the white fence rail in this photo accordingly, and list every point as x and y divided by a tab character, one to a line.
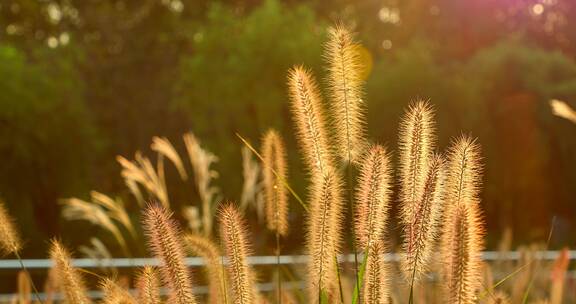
35	265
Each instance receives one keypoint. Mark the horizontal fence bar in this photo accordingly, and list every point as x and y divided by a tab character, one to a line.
253	260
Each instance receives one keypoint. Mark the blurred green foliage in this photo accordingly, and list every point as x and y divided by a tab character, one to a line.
48	138
132	71
234	81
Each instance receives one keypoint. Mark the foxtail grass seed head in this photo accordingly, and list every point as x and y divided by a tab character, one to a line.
237	248
345	87
148	286
275	175
464	171
114	294
463	230
416	146
462	246
421	234
324	232
308	116
204	247
373	195
9	237
166	245
376	289
67	277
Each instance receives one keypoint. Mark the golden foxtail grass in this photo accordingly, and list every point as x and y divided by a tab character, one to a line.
421	233
308	116
233	236
375	288
165	243
373	197
204	247
345	87
114	294
276	195
324	233
462	239
67	277
148	286
416	146
9	237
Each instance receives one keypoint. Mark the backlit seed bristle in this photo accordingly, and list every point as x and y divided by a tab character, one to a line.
421	234
165	243
375	289
148	286
463	230
275	175
462	246
345	87
9	237
308	116
324	232
237	248
464	171
416	146
204	247
67	277
114	294
373	195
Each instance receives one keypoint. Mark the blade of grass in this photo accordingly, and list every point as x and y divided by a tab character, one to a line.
356	295
339	280
284	182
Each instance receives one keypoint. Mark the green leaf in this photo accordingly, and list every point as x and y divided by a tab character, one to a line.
360	278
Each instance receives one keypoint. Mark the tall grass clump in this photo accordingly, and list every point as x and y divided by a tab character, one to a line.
438	195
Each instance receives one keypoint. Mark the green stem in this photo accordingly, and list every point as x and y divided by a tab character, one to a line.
339	280
36	293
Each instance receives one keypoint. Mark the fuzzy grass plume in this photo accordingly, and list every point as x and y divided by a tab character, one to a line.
237	248
274	172
209	251
373	195
375	289
345	87
166	245
308	116
67	277
463	231
416	146
420	235
148	286
324	233
114	294
9	237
